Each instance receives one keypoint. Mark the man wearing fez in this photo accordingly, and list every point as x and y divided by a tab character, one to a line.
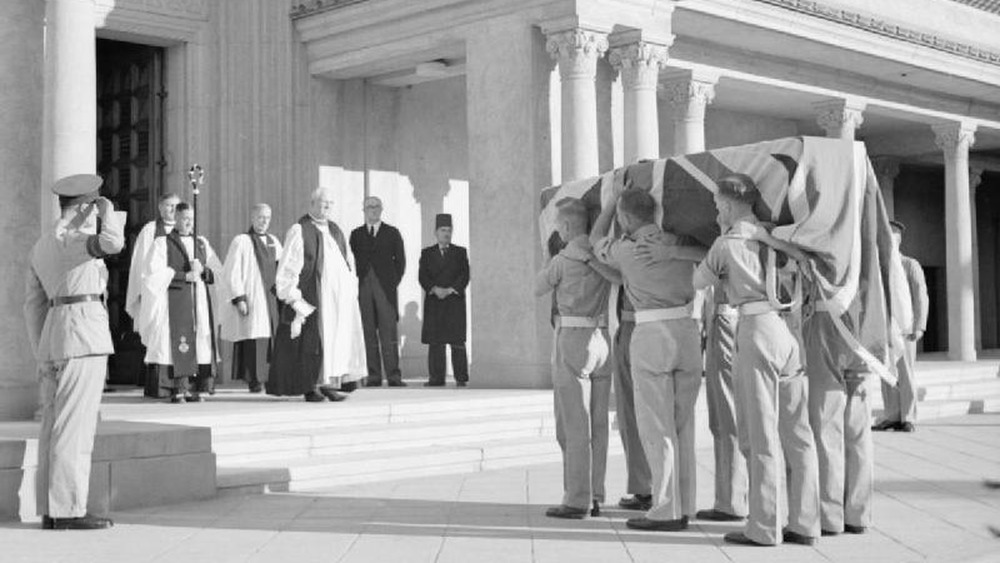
68	330
901	401
444	275
140	253
249	317
177	313
381	260
318	346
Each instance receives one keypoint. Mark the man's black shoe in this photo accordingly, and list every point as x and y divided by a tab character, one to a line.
256	388
885	425
373	383
850	529
461	384
788	536
906	427
395	383
739	538
433	384
717	516
596	509
827	533
636	502
643	523
332	394
86	522
314	397
196	398
178	399
349	387
563	511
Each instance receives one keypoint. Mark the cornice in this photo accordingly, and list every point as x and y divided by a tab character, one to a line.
882	27
319	6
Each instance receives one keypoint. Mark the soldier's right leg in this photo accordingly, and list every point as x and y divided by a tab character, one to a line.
72	398
731	478
639	479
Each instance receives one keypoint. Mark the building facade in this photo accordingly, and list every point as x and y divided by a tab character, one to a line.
472	107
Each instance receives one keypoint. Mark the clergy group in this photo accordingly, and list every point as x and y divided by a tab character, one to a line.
312	315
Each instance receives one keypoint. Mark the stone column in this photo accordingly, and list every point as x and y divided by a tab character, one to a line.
576	51
886	170
70	134
689	93
954	139
975	178
841	117
639	63
21	60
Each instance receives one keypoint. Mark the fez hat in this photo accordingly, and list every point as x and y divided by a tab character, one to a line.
897	226
76	189
442	220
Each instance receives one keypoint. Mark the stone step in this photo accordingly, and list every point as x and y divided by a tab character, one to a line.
232	449
976	388
327	471
931	373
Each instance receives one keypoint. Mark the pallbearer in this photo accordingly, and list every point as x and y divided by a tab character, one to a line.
639	481
770	381
581	366
665	353
177	314
249	317
68	330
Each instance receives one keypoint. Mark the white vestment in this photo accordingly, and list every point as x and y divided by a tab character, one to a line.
136	271
241	277
344	357
154	319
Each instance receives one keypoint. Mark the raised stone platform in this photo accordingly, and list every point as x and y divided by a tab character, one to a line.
135	465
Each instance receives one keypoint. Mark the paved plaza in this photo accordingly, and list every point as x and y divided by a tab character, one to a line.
930	505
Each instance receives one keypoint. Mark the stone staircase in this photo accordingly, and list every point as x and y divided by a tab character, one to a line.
263	444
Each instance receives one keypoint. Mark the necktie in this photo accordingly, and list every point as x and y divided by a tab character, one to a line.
371	230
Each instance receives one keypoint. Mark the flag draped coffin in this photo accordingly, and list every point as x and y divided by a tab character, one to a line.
822	196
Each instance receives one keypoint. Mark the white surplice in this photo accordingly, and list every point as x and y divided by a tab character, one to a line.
241	276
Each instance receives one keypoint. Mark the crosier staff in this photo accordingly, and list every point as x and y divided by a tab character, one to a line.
196	175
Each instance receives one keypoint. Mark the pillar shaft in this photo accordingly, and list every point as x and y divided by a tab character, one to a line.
954	139
886	170
639	64
70	102
576	51
975	178
689	96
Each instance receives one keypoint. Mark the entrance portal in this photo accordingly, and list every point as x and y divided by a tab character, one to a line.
130	97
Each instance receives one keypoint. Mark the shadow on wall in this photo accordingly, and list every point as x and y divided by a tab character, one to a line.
412	355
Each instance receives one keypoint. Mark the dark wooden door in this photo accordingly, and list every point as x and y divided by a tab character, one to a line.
130	94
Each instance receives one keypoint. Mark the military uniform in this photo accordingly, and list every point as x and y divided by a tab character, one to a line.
68	328
639	477
665	352
581	374
772	388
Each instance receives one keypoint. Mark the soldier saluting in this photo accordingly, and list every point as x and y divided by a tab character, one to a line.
68	329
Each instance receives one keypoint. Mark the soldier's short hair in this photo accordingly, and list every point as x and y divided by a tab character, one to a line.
574	211
639	204
738	187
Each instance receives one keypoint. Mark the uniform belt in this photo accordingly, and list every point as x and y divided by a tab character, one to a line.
71	299
628	317
671	314
726	310
756	308
565	321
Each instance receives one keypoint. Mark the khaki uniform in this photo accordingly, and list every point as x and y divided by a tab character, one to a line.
581	375
639	477
68	328
731	479
770	384
665	351
840	415
901	401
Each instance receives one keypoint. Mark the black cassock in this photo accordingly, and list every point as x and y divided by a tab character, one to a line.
444	319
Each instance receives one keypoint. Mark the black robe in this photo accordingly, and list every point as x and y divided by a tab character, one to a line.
297	364
181	304
444	319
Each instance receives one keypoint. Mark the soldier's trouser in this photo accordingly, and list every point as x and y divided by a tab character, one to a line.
773	389
731	479
581	381
71	398
840	414
900	402
639	478
666	371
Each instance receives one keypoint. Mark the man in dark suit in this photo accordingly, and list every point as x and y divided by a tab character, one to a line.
444	275
381	261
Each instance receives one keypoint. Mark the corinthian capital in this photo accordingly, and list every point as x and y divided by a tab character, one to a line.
639	63
837	116
689	95
952	137
576	51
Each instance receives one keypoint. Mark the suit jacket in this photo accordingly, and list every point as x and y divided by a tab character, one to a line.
444	319
384	254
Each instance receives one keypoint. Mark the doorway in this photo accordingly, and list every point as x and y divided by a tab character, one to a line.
130	158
